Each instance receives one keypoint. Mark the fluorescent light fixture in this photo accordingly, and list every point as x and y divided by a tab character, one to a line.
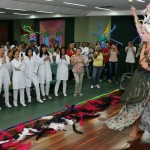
16	9
33	16
21	14
75	4
48	0
46	12
101	8
142	1
2	12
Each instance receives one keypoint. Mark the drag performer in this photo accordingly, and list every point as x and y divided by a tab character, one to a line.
137	94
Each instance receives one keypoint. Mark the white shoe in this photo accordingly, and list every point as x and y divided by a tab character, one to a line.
74	94
43	98
56	94
92	86
15	104
23	104
39	100
8	105
97	86
89	77
65	94
80	94
100	80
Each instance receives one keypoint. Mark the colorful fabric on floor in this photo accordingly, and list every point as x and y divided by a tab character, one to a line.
70	116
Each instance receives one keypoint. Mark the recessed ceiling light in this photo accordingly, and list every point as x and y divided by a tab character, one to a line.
75	4
21	14
16	9
46	12
101	8
142	1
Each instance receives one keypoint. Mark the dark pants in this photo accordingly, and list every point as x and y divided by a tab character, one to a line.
130	67
113	67
106	68
96	75
91	67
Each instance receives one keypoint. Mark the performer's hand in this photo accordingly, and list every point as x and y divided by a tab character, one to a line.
133	11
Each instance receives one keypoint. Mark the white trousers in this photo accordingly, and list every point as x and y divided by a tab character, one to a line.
37	90
22	101
5	84
64	86
42	87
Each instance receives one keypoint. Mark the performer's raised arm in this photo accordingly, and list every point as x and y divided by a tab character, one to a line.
136	20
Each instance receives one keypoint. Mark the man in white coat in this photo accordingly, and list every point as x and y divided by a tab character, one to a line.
4	76
85	53
130	58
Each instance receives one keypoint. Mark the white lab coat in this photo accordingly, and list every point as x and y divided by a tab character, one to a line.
62	69
18	78
44	69
4	74
9	68
85	53
31	67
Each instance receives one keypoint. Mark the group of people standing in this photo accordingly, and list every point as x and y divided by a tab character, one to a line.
25	65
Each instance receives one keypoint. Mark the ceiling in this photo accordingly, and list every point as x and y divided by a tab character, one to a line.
61	9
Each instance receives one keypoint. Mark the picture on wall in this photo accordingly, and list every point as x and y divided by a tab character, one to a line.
51	31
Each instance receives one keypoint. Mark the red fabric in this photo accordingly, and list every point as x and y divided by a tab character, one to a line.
92	102
26	146
20	127
106	58
70	53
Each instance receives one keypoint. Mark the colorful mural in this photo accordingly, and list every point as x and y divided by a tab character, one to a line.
51	31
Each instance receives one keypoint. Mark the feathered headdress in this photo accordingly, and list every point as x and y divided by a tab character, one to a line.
146	21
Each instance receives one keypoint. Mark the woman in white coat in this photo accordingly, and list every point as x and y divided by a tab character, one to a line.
44	71
62	61
31	68
18	78
4	75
